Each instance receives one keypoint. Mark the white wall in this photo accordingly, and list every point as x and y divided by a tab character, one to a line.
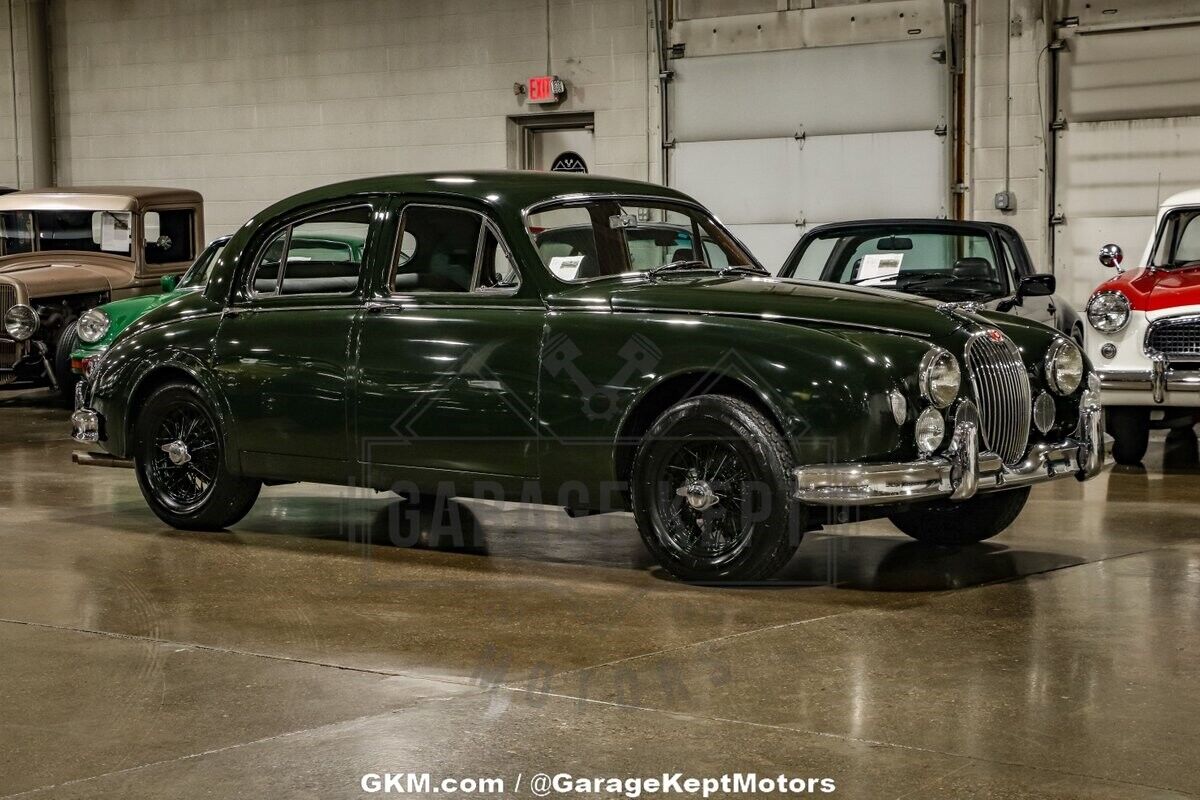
249	102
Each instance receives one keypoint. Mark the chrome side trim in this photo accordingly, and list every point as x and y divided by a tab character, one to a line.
766	317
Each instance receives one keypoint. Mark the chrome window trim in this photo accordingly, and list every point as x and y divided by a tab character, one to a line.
582	198
253	294
389	280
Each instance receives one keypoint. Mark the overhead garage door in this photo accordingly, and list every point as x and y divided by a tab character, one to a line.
775	142
1131	103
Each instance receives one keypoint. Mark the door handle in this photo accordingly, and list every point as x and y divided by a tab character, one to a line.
1051	308
374	308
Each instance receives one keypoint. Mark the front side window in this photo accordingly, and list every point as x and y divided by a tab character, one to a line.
168	235
948	264
1179	241
317	255
443	249
603	237
88	231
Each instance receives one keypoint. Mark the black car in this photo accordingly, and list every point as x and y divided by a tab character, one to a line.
951	260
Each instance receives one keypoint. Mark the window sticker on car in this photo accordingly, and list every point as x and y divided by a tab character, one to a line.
114	232
879	265
566	267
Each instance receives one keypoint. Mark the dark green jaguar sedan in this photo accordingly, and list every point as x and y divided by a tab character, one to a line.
590	343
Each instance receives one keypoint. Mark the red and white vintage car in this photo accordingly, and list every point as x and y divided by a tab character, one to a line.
1145	331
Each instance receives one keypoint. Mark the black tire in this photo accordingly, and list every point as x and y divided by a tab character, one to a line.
949	523
1130	429
199	493
61	364
713	444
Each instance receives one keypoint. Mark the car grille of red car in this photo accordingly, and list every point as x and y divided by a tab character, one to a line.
1002	394
1175	338
8	348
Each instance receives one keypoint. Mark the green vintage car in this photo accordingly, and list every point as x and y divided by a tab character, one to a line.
98	327
471	351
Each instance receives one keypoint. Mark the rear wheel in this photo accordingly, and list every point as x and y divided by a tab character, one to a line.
180	461
946	522
1130	429
711	494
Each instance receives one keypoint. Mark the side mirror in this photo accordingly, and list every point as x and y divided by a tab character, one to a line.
1111	256
168	282
1036	286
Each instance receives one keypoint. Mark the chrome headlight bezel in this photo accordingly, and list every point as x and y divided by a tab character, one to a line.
92	326
21	322
1064	367
1101	308
940	377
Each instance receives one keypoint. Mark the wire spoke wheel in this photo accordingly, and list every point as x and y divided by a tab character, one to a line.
703	500
183	456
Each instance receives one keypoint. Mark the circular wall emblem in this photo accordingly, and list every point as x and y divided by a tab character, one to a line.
569	161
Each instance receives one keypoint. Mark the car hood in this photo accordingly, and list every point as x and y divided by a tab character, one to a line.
45	276
122	312
1155	289
820	304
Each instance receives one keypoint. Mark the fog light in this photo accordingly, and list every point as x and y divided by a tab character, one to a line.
930	431
1109	350
1043	412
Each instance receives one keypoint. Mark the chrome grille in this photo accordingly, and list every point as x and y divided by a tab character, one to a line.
8	348
1175	338
1002	394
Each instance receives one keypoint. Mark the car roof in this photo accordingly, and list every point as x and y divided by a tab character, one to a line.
1191	197
96	198
511	190
913	222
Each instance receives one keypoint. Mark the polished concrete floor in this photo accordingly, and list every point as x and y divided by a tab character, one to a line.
290	656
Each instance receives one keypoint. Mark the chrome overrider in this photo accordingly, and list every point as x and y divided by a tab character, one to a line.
963	471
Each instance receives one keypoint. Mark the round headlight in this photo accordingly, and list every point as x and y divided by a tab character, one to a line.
92	326
1108	312
1064	366
930	431
21	322
940	377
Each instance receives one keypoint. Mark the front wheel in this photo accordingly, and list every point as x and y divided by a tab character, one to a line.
1130	429
711	493
64	376
946	522
180	461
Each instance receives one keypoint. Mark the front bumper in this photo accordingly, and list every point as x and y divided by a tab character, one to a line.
1159	385
962	472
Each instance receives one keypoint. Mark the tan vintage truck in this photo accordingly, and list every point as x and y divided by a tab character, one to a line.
64	251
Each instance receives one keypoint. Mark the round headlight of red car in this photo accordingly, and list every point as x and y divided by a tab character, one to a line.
1108	312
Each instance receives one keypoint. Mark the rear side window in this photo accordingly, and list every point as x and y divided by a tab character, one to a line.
443	249
168	235
317	255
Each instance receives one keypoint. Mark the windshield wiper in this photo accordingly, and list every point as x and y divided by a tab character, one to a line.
743	269
892	278
676	266
951	280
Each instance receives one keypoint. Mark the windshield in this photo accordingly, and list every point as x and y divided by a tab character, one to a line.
1179	240
90	231
947	264
598	238
197	274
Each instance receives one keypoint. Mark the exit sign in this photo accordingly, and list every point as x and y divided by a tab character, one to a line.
544	89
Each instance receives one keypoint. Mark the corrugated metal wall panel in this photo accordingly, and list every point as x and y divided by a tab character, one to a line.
890	86
1131	74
